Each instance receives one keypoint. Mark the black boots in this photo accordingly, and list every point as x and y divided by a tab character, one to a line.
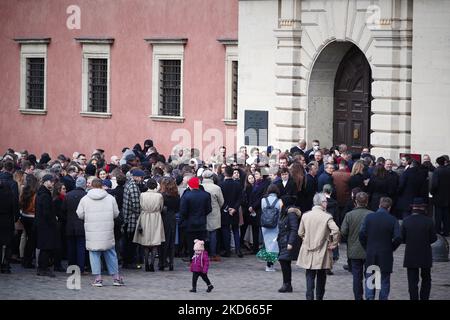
210	287
287	287
193	290
170	267
149	268
239	254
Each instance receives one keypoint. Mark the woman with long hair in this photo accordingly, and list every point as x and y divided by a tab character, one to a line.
378	187
169	191
59	193
27	202
357	176
246	192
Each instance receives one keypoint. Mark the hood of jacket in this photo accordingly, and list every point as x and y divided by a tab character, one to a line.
97	194
295	210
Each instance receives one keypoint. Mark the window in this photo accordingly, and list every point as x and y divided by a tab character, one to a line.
231	81
169	87
96	77
33	75
167	79
98	85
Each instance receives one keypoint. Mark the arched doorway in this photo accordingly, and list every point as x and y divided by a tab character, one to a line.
351	119
339	97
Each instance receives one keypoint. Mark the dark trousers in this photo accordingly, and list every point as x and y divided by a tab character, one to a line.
413	283
319	285
30	246
129	250
442	220
286	270
76	251
226	236
44	259
191	236
167	248
195	276
357	268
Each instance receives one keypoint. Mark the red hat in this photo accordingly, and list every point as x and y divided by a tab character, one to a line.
194	183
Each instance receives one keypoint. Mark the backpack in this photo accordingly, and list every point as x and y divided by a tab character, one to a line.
270	214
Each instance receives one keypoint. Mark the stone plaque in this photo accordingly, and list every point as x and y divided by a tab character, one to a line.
256	127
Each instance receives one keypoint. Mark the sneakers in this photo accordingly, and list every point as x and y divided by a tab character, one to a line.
210	287
97	283
118	282
270	269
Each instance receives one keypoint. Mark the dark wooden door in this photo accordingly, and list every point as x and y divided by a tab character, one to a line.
352	97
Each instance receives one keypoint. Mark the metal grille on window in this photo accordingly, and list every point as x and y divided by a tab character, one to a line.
169	87
35	83
234	91
98	85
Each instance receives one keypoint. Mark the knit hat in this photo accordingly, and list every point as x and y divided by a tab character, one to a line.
80	183
90	170
137	173
207	174
107	183
194	183
199	245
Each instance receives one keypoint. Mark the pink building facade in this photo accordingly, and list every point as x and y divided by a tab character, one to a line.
115	73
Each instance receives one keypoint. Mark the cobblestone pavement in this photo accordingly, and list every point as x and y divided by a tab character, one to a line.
233	278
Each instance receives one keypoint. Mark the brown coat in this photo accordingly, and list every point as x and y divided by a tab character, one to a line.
341	180
316	227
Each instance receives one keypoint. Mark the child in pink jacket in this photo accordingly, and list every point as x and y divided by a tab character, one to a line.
199	265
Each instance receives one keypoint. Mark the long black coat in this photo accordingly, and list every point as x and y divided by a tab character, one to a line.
69	183
413	183
290	191
6	214
307	195
440	186
45	221
8	180
357	181
380	237
418	233
195	205
288	224
377	188
171	208
232	193
74	225
255	198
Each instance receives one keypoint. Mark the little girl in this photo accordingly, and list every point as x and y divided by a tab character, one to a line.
199	265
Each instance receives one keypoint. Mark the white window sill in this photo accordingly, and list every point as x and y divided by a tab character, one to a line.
230	122
105	115
166	118
33	111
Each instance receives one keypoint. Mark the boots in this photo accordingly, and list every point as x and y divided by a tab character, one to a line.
287	287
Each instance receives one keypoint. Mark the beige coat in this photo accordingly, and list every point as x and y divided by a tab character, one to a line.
213	220
150	220
316	227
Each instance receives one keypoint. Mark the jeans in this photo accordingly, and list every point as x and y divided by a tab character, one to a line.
110	259
442	220
213	243
385	287
76	249
357	268
286	269
226	236
413	283
311	283
30	246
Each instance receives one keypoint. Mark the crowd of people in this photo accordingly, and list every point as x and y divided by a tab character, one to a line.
140	209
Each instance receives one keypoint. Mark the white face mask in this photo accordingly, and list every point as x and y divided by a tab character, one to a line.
316	148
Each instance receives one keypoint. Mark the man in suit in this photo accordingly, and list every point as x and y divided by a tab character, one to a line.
195	205
380	237
232	192
440	189
418	234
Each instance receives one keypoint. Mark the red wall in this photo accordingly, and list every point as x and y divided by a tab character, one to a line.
129	22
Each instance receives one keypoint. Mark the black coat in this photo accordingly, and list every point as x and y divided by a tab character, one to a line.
380	237
307	195
357	181
440	186
418	233
171	208
45	221
195	205
332	208
256	197
6	214
413	183
69	183
288	224
7	179
290	191
74	225
232	193
377	188
117	193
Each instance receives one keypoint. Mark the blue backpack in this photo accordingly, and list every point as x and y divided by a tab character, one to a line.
270	214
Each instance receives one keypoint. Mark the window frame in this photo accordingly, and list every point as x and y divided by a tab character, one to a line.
231	55
166	49
32	48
